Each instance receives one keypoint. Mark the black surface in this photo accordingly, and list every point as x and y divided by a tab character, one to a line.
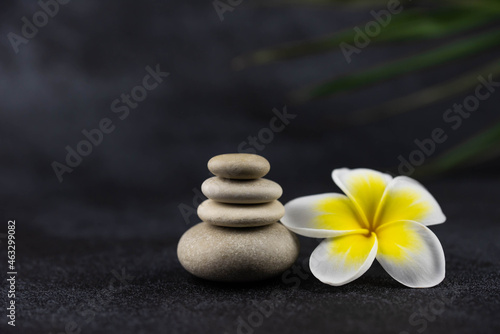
65	280
119	209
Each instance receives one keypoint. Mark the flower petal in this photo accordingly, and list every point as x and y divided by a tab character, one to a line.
411	254
364	187
322	216
406	199
340	260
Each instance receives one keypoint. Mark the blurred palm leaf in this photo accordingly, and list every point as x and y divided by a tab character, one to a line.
405	27
419	21
480	148
426	96
438	56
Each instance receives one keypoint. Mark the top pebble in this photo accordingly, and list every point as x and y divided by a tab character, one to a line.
239	166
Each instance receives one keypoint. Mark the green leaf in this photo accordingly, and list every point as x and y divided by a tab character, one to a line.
345	3
489	6
434	57
411	25
426	96
485	4
479	148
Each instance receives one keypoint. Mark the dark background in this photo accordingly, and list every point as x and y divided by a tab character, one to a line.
117	213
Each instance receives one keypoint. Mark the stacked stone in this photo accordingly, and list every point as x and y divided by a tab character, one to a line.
240	238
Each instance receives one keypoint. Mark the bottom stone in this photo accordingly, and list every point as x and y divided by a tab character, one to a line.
237	254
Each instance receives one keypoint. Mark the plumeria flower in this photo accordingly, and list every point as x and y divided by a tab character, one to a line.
381	217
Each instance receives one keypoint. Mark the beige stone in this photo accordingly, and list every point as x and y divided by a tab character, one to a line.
241	191
239	166
240	215
237	254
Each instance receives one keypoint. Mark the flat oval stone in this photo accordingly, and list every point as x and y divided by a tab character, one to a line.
241	166
240	215
237	254
241	191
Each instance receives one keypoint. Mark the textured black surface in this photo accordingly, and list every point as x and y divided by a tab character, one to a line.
118	210
105	281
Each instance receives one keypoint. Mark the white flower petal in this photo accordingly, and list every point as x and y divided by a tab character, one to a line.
406	199
364	187
322	216
411	254
340	260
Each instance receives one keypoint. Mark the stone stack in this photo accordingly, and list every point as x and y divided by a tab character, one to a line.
240	238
